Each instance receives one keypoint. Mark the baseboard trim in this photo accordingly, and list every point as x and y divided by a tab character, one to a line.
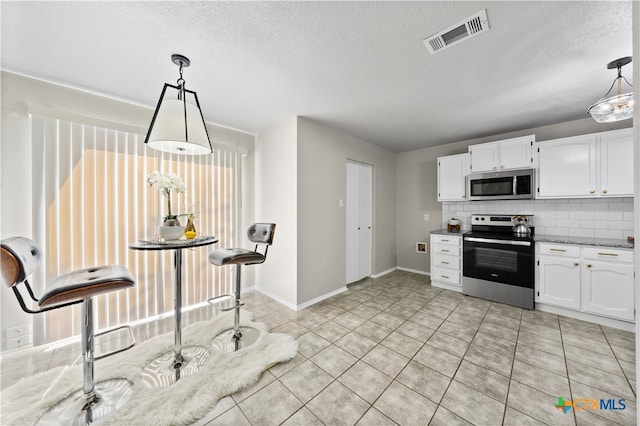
321	298
276	298
388	271
415	271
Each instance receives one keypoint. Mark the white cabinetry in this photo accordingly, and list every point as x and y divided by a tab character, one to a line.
616	163
559	275
594	165
452	172
446	261
516	153
592	280
607	282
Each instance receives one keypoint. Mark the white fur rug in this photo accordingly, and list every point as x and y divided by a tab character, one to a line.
184	402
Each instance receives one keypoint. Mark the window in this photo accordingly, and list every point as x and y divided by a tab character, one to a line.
92	199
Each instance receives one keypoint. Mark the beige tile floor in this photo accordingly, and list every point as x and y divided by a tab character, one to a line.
395	350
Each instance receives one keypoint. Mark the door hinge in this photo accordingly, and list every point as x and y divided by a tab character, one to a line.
538	294
538	189
538	263
532	159
531	142
538	149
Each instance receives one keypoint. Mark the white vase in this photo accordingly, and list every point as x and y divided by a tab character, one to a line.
171	232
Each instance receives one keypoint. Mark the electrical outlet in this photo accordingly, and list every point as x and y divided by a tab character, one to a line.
18	331
426	217
19	342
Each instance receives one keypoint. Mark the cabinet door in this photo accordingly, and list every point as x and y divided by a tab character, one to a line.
567	167
616	163
452	171
559	282
484	157
607	289
516	153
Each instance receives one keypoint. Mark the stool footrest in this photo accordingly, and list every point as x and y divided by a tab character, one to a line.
116	351
227	298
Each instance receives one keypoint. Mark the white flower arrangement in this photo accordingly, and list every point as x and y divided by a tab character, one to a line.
166	183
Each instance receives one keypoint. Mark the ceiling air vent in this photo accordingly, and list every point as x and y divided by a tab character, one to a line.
461	31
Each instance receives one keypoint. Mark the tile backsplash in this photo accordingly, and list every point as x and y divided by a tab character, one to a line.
588	217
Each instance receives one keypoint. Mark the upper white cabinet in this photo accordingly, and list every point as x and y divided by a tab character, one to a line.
594	165
567	167
516	153
616	163
452	171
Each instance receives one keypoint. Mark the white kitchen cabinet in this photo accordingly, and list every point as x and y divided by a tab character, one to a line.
616	163
594	165
559	275
446	261
567	167
452	172
608	284
588	279
515	153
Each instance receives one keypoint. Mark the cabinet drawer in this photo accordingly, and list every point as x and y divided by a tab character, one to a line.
445	275
446	250
559	250
446	240
444	261
608	254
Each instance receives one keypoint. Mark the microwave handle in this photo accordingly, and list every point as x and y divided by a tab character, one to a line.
515	185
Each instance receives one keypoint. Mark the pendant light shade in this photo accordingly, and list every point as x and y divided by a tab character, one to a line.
619	106
178	125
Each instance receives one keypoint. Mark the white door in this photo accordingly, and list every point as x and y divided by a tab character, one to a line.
559	282
608	289
359	221
484	157
516	153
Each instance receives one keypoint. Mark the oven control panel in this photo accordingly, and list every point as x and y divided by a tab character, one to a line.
501	219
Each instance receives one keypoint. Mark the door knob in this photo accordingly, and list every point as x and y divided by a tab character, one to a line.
593	191
604	191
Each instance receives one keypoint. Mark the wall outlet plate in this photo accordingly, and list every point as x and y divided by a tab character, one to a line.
19	342
18	331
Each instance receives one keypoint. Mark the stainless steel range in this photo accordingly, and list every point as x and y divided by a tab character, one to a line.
498	259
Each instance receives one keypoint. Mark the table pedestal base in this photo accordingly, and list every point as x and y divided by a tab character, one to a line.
166	369
227	342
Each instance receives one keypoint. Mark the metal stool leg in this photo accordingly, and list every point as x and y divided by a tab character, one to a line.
90	404
237	333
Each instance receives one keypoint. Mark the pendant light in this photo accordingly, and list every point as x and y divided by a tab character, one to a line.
178	125
617	107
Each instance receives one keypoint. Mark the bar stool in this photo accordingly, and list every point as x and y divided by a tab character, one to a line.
238	338
20	258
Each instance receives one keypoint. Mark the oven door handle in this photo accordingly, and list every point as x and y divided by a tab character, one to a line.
506	242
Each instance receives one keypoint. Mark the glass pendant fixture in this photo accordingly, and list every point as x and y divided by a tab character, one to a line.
619	106
178	125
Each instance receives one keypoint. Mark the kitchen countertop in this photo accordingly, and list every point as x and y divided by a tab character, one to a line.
562	239
584	241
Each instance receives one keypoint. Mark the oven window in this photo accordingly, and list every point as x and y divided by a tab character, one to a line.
493	186
495	259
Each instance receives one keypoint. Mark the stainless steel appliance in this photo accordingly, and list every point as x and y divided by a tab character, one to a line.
508	185
497	264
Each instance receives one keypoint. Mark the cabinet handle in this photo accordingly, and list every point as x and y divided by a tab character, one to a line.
445	250
576	264
607	254
444	276
501	167
559	250
444	241
593	191
604	191
444	263
588	265
495	168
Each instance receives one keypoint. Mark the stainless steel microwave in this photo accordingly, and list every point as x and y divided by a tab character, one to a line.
507	185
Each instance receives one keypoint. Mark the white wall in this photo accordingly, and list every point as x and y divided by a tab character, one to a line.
322	163
21	95
417	181
276	201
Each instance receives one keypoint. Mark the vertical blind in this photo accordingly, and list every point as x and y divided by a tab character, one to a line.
91	199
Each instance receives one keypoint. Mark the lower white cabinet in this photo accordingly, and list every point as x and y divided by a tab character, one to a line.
607	283
446	261
593	280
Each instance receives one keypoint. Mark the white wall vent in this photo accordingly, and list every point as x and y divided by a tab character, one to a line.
461	31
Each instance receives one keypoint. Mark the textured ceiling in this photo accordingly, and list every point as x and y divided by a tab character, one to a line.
359	67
